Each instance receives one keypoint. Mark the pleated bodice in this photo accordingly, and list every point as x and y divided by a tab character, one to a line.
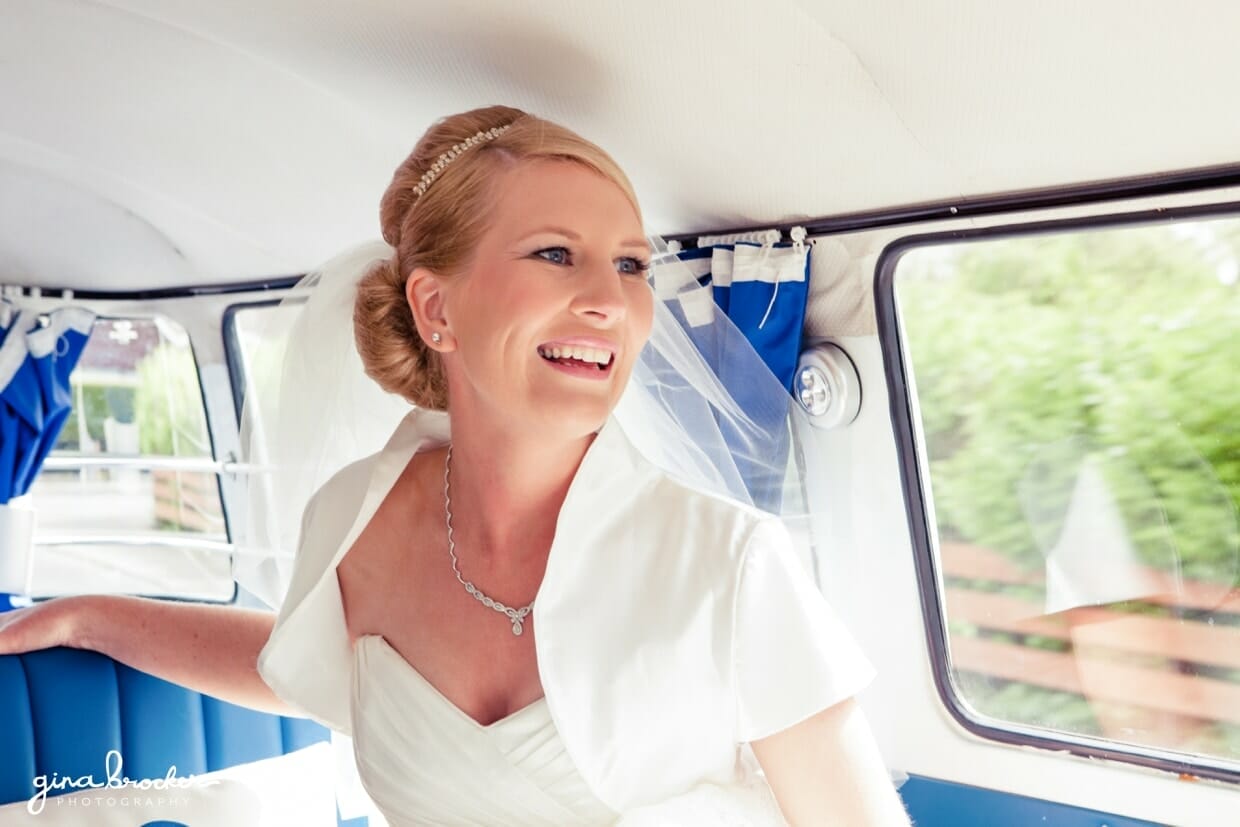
425	762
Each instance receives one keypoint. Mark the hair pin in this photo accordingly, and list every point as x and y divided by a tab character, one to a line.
452	154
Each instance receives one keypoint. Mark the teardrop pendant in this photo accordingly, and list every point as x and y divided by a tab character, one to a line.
515	615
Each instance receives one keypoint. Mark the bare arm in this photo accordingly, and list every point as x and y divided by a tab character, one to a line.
827	770
210	649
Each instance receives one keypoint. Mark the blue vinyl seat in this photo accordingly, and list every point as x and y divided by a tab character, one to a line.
62	710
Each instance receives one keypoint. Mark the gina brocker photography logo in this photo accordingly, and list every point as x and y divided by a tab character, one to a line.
117	789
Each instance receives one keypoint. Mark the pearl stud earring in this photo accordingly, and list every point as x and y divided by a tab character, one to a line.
436	338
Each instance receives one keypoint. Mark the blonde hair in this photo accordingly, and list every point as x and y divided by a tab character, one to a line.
441	229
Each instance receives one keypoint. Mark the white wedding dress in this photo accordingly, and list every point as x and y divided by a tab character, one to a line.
425	762
660	705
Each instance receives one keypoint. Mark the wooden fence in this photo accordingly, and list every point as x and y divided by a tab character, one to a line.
1166	677
188	500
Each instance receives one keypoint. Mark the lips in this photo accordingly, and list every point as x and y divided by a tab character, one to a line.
587	359
599	357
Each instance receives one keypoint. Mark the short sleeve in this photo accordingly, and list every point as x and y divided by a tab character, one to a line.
305	572
307	661
792	655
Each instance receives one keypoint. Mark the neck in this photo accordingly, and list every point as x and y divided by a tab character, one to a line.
507	488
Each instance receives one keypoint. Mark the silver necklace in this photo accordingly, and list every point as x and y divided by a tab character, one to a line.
517	616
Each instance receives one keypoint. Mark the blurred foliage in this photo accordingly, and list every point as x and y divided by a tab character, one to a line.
1037	359
100	402
1068	712
120	402
168	404
262	333
1027	704
1034	356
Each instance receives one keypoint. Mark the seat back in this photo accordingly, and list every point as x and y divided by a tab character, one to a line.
63	710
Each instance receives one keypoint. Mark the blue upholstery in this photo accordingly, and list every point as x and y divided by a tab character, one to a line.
16	732
934	803
62	710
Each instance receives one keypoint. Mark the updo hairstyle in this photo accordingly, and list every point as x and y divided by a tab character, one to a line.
441	229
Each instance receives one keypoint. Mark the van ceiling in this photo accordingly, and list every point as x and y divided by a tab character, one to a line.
154	143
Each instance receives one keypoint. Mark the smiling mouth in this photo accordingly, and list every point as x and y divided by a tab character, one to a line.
590	359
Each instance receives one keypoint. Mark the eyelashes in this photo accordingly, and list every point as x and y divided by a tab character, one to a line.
639	267
562	256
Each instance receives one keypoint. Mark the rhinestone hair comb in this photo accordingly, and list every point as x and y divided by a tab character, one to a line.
452	154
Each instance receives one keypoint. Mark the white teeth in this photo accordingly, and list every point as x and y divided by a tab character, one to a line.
581	354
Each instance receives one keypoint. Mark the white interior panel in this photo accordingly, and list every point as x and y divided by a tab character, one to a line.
257	137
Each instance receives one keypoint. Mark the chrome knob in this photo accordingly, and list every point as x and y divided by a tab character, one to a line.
827	386
814	390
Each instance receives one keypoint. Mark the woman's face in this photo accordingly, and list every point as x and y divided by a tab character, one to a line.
551	313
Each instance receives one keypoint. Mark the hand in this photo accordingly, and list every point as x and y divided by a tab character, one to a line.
41	626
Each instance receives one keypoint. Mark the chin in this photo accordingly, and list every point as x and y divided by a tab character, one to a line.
573	419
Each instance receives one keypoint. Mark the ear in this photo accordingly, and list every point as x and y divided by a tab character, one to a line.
425	294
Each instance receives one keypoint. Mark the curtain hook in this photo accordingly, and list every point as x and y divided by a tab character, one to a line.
769	239
798	234
768	243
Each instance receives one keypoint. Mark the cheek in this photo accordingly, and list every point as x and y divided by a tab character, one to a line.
641	312
496	309
514	322
527	296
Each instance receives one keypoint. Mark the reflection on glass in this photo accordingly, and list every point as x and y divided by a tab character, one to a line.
1078	396
136	396
261	335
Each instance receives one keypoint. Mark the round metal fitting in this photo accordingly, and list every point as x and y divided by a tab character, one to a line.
827	386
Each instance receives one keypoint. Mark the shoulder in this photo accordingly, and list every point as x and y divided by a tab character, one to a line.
343	490
651	536
742	553
638	527
655	472
672	497
328	515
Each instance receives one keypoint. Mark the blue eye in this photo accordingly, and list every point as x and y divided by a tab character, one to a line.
555	255
629	266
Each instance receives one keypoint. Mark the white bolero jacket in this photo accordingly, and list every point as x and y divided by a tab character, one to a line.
672	626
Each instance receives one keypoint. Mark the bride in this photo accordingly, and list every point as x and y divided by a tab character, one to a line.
518	617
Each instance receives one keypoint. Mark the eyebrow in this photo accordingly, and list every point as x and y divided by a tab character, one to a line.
572	236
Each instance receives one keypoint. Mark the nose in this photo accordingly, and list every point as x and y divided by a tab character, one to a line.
600	296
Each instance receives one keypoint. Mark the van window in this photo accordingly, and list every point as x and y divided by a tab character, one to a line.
255	336
1072	400
129	500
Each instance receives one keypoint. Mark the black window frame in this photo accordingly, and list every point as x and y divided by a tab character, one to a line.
903	419
211	441
232	349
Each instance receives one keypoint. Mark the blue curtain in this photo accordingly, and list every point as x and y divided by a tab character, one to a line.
35	397
21	409
763	289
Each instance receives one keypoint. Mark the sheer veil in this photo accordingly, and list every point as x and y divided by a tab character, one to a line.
701	404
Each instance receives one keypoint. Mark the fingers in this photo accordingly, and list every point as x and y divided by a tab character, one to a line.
41	626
